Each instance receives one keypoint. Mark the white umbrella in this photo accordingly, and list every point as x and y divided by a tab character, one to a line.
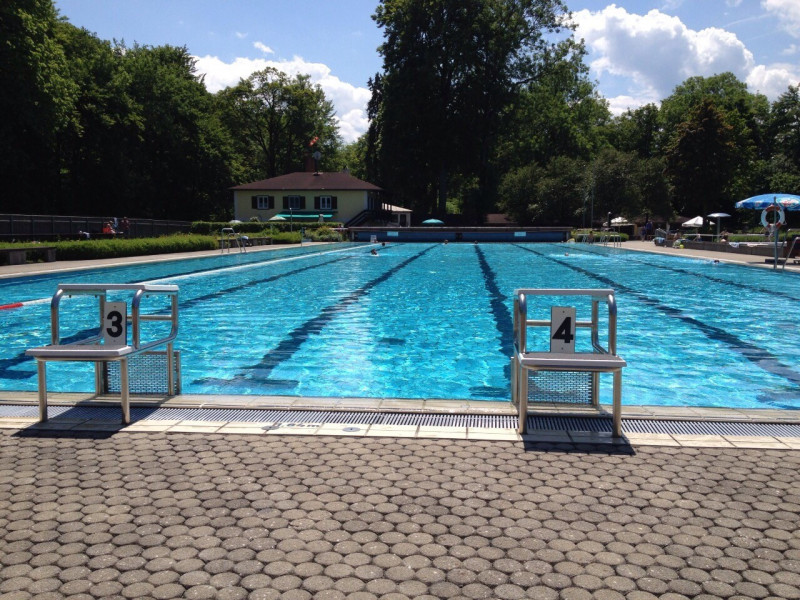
696	222
619	221
276	218
234	221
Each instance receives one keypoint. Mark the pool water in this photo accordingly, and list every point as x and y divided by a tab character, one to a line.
435	321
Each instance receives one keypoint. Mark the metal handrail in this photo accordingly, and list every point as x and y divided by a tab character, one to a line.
100	290
789	253
228	237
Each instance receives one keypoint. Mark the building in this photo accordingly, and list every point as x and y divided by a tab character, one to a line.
313	197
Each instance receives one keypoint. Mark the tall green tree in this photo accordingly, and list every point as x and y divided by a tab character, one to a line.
638	130
450	70
275	118
701	161
559	113
179	157
36	103
784	140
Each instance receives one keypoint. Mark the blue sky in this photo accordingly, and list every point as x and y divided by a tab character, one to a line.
639	50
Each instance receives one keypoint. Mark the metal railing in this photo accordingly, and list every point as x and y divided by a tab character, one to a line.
229	238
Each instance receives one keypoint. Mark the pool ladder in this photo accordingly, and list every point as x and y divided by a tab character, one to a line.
229	238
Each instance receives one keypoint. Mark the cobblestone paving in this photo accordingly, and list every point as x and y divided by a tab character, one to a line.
231	516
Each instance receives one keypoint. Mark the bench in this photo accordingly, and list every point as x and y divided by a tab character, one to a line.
19	256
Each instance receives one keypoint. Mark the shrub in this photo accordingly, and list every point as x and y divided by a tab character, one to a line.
92	249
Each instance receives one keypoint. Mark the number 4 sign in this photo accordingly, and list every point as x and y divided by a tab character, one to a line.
115	321
562	329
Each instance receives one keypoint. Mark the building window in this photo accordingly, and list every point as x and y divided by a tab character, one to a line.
294	202
325	202
263	202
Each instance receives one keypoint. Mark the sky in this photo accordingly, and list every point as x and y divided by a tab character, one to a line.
638	50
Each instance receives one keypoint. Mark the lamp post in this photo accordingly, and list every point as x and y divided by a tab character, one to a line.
291	219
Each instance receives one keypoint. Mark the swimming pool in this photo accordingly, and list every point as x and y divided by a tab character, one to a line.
435	321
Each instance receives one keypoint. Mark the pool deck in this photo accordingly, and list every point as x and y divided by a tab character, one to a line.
91	509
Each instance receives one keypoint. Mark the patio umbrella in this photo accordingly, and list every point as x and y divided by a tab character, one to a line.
234	221
432	222
776	202
276	218
718	216
696	222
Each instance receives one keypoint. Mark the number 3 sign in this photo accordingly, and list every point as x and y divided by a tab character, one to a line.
562	329
115	321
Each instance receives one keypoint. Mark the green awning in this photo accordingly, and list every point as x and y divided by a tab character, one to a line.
304	216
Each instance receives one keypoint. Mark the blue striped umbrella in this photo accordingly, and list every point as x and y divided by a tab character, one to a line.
786	201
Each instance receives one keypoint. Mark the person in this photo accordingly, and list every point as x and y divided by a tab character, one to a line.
124	226
648	229
723	237
84	235
107	228
373	252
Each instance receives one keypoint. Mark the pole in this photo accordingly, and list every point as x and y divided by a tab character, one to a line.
775	230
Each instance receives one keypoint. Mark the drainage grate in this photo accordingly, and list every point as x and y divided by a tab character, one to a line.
535	422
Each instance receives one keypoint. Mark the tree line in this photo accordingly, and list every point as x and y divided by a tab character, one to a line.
95	127
481	106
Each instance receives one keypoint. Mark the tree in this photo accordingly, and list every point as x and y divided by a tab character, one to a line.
638	131
557	114
552	195
450	69
784	138
701	161
179	156
274	118
36	102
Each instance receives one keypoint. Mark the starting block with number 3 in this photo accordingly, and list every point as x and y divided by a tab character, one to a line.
565	374
112	349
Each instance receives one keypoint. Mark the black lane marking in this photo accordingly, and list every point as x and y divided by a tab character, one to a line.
734	284
287	347
7	364
758	356
503	320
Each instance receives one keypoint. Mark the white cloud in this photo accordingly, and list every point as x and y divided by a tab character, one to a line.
656	52
791	50
788	13
263	47
240	35
349	101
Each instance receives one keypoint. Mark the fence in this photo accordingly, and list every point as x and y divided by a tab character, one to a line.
51	227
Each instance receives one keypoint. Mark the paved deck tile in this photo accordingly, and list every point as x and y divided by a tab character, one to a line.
212	515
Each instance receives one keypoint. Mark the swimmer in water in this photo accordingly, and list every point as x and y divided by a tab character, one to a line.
373	252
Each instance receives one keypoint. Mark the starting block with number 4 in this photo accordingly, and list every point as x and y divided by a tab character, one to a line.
564	374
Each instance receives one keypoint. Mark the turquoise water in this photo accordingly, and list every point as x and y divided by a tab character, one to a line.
434	321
